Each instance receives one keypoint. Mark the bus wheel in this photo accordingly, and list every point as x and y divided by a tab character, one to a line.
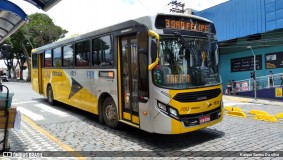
50	95
110	113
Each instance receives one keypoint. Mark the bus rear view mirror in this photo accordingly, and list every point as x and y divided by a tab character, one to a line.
154	52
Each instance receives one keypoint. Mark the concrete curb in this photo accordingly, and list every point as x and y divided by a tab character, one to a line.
251	100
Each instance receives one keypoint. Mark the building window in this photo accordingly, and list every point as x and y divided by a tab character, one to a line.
68	56
101	52
47	58
57	57
82	54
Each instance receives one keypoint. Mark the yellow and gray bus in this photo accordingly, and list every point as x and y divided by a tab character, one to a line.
158	73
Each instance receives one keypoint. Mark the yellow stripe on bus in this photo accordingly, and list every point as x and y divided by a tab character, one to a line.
135	119
127	116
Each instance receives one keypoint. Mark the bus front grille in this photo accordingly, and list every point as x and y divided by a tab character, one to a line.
197	96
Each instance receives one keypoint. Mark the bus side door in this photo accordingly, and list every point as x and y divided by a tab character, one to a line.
129	75
36	73
134	75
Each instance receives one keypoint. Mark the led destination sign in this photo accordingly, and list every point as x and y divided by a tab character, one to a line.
183	23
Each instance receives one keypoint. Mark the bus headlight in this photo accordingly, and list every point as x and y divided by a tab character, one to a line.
162	106
172	112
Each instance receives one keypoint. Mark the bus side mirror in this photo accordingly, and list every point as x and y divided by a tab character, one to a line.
154	50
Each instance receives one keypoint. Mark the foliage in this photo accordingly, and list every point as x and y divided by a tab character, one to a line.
39	31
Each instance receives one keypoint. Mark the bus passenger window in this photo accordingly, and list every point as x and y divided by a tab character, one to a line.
57	57
82	54
47	58
68	56
101	53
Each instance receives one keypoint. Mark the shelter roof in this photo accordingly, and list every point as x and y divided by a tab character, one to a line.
12	16
45	5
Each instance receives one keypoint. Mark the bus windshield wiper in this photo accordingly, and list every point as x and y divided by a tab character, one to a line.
182	40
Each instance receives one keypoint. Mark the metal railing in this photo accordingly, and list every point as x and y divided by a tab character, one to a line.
261	83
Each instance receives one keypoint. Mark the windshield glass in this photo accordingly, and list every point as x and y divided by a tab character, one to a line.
187	63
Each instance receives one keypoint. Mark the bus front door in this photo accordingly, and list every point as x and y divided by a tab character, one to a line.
129	74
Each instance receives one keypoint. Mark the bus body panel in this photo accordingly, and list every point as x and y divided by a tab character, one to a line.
34	79
145	116
76	87
163	124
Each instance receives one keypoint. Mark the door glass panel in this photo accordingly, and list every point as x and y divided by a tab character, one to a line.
129	64
125	72
134	68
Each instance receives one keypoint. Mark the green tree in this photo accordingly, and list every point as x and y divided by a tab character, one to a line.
39	31
8	56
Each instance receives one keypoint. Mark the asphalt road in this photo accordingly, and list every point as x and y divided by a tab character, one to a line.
82	132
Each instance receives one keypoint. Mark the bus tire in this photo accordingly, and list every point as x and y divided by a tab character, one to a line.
50	97
110	114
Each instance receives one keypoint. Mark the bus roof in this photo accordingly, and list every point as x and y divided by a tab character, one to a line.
146	20
88	35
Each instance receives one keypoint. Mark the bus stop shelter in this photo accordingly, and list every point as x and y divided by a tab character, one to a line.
12	16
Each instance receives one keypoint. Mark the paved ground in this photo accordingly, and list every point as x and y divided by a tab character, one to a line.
82	132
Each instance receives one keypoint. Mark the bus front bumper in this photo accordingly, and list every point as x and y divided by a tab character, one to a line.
164	124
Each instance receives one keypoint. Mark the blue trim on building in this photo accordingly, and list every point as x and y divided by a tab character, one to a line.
11	7
268	93
239	18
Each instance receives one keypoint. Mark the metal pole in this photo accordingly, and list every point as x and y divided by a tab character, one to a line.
255	74
254	70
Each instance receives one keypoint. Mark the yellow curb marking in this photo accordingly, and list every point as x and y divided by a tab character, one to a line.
229	108
279	115
253	111
259	114
263	117
237	114
47	134
237	109
244	100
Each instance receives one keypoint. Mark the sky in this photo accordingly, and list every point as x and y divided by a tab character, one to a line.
82	16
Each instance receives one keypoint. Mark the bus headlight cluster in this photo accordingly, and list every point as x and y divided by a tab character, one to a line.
162	106
172	112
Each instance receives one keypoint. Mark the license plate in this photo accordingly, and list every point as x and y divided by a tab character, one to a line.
204	119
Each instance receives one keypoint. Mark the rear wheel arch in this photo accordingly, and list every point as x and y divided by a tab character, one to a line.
101	102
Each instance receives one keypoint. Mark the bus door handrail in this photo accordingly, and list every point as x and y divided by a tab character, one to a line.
154	34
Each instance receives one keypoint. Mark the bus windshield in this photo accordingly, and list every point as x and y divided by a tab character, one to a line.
186	62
